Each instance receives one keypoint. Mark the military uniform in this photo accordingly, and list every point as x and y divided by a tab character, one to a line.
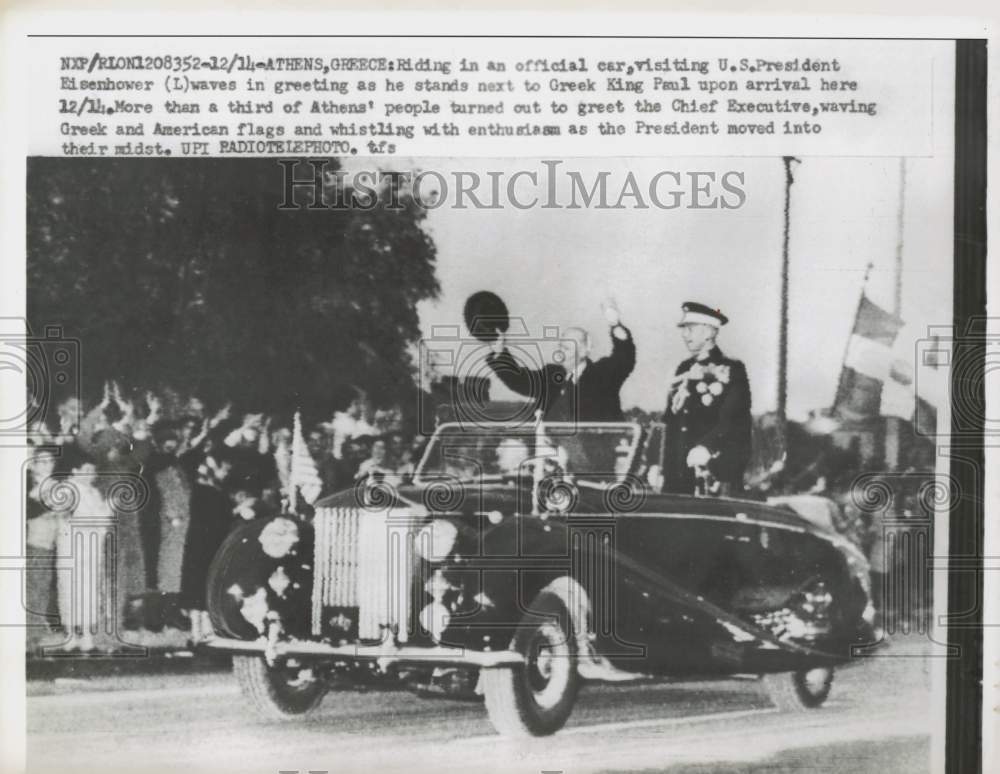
709	406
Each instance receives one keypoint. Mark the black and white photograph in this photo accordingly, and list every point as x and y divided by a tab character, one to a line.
365	460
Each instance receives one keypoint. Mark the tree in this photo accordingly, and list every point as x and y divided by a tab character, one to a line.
186	274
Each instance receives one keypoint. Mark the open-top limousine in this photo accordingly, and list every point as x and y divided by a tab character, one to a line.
520	564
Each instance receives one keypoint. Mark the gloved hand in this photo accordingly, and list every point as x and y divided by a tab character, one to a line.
611	313
499	344
698	457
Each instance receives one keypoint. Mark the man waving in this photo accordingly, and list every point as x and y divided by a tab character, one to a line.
574	388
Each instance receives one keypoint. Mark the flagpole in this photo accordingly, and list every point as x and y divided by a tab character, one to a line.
897	308
783	329
892	441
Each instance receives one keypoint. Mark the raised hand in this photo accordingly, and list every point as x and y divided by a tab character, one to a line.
154	403
264	439
128	410
611	313
221	415
500	343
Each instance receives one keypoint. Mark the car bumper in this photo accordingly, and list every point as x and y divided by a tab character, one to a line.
383	653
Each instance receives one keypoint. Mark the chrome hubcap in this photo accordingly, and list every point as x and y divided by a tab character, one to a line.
299	679
816	680
548	665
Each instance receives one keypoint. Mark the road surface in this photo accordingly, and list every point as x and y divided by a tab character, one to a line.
877	720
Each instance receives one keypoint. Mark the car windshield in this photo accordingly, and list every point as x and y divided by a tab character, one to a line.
597	452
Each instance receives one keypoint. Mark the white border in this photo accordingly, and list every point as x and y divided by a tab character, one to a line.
13	139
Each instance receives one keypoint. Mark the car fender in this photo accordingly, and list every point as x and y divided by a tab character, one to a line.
577	603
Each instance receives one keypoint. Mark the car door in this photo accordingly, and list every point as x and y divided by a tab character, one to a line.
676	560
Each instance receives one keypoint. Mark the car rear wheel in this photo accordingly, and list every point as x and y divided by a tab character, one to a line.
536	698
280	692
798	691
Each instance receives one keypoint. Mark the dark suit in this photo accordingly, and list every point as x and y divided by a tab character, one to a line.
722	426
211	520
594	399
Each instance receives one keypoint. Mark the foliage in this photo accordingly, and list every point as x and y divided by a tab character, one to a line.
186	274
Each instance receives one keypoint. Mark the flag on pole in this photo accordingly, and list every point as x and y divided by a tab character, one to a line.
868	363
304	477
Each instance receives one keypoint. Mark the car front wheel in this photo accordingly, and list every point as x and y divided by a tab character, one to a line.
536	698
279	692
798	691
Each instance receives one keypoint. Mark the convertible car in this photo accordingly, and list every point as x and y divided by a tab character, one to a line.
522	563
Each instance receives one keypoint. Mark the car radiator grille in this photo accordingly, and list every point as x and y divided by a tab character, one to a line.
364	559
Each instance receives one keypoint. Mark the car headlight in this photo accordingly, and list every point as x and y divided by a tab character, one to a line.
278	537
435	540
435	618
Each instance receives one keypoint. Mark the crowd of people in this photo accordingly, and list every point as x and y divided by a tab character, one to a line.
128	502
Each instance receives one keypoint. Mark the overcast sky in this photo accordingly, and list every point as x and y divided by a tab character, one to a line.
554	267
